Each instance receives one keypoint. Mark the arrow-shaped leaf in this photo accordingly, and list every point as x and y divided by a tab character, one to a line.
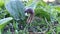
16	9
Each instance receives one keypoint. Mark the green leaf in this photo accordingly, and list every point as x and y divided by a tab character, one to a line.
1	3
42	13
5	21
16	9
32	4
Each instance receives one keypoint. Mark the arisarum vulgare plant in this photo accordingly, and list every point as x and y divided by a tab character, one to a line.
31	12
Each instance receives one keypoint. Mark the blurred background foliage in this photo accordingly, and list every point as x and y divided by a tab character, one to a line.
47	16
